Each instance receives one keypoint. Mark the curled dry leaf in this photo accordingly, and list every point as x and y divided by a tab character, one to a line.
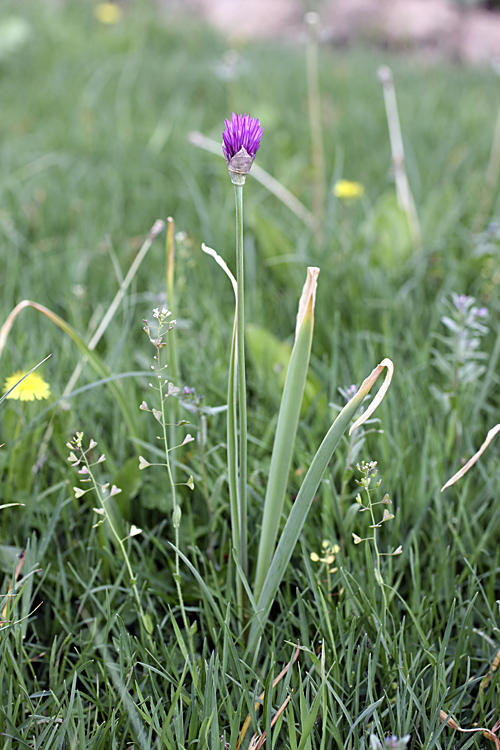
366	387
489	437
222	263
485	732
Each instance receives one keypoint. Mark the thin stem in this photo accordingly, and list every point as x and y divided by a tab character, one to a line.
157	227
176	514
119	541
404	193
232	458
314	105
172	348
378	568
345	482
242	388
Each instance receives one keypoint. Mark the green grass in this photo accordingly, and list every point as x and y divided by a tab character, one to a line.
93	149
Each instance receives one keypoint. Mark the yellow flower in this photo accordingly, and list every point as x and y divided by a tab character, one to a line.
329	551
108	13
33	386
346	189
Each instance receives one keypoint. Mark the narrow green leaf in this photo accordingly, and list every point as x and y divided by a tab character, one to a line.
308	721
286	429
306	494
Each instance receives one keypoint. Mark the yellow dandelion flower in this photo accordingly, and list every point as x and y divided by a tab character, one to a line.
346	189
108	13
32	387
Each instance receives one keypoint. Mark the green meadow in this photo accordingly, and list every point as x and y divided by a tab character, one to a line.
122	624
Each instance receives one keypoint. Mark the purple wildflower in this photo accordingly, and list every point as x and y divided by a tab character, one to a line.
240	142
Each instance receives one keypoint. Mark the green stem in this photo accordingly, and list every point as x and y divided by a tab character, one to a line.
172	348
119	541
378	566
232	461
242	389
176	515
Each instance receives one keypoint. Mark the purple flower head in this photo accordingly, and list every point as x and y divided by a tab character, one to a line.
240	142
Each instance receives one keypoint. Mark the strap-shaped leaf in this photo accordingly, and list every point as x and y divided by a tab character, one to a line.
286	429
300	509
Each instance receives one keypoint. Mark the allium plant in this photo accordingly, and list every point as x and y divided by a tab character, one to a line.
241	140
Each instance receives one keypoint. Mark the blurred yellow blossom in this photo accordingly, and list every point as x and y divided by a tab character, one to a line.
328	550
346	189
108	13
32	387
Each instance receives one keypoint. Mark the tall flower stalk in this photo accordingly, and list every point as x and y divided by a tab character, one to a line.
241	139
240	142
